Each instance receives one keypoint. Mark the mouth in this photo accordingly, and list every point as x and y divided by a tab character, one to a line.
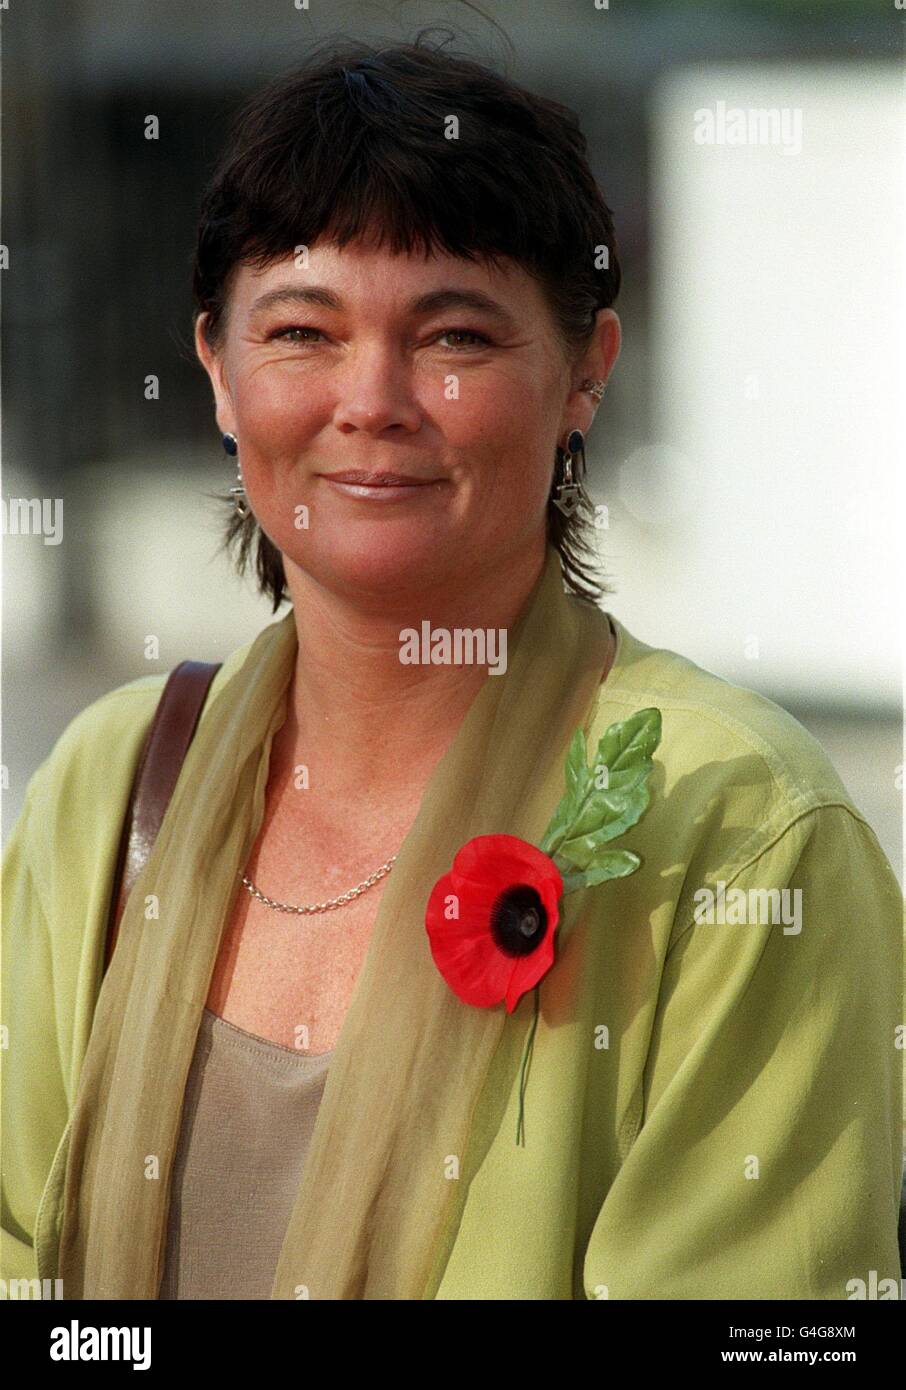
378	487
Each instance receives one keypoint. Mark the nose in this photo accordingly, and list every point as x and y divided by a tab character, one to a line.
376	394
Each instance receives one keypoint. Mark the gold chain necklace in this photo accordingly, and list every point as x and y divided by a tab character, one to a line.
310	908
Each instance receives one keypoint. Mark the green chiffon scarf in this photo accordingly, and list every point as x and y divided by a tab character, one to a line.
377	1212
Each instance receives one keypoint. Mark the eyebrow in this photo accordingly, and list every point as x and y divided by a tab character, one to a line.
435	301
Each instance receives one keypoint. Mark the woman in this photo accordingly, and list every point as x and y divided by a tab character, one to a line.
404	281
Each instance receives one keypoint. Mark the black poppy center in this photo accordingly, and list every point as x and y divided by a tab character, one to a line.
518	920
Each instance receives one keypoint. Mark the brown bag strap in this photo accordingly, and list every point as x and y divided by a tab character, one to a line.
166	745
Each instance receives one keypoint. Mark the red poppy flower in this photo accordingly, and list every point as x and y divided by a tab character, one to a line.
491	920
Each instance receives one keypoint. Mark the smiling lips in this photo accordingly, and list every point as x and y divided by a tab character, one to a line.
378	487
379	479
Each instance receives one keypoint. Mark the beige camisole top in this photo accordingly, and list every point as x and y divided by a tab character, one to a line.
248	1114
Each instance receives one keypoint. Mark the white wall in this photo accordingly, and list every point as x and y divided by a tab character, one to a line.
759	531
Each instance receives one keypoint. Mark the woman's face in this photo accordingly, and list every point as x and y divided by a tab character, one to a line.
442	373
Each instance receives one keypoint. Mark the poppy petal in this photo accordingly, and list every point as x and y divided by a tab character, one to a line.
529	970
503	860
465	948
478	976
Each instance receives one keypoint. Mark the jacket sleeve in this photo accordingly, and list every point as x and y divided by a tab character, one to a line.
768	1160
33	1091
58	868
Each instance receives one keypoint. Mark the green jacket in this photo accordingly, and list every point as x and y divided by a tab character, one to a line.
723	1119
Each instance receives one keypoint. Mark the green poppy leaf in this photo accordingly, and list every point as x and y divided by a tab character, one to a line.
578	783
617	863
604	801
577	773
630	742
581	849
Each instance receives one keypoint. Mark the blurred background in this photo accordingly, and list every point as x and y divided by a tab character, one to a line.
743	458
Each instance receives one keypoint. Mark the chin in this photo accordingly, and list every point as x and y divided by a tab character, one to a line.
361	561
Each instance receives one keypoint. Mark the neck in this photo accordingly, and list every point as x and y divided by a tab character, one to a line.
355	707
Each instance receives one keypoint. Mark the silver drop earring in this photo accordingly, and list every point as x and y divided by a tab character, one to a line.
237	492
568	492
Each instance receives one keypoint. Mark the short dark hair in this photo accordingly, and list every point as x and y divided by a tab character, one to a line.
351	146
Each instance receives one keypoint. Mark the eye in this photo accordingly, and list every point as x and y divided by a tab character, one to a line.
479	339
284	332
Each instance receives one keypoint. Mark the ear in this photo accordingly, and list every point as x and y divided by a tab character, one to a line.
212	361
596	365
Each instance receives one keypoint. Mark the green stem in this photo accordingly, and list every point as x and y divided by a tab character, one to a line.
527	1051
